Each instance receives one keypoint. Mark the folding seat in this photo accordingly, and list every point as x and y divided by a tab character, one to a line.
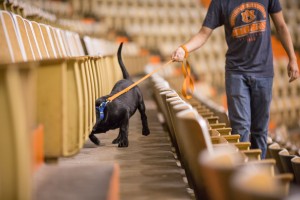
224	131
218	167
255	183
217	139
157	91
66	76
49	43
11	41
217	125
228	138
17	121
286	162
296	168
95	74
116	70
168	98
92	89
64	85
16	169
105	76
215	108
191	136
164	105
36	30
194	138
99	75
24	37
274	150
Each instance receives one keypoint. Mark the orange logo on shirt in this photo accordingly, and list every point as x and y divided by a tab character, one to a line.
248	16
252	23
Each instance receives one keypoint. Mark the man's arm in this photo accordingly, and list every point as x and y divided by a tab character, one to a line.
286	41
194	43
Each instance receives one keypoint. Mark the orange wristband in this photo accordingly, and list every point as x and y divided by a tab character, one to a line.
185	50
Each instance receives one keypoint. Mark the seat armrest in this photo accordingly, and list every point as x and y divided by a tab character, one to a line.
252	154
242	145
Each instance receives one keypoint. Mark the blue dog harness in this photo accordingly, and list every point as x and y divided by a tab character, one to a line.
101	109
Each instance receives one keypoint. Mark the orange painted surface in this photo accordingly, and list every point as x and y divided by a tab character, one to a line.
88	20
114	186
155	59
272	126
279	52
38	147
144	52
224	101
120	39
205	3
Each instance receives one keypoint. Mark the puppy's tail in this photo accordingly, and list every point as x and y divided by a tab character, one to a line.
123	68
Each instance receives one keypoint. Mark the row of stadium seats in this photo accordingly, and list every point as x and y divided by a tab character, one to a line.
195	130
48	88
285	107
285	162
292	18
42	12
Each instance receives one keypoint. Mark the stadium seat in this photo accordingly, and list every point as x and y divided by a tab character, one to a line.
274	151
255	183
16	127
296	168
285	159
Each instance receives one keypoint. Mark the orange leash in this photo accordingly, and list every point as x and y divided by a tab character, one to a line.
188	82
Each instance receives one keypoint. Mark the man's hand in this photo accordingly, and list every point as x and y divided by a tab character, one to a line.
178	54
293	70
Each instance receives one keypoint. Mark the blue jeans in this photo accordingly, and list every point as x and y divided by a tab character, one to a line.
249	99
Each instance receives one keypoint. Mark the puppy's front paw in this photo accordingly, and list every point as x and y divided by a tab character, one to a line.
116	141
94	139
146	131
123	143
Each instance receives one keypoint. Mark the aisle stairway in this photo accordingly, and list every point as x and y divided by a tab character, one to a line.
148	168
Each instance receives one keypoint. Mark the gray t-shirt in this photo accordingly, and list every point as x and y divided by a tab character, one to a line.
248	34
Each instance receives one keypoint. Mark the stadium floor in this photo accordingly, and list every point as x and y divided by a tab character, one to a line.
148	168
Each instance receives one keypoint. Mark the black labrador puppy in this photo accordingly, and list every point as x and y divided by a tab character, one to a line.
116	114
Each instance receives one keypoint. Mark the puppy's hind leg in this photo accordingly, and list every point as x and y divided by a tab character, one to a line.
123	132
142	110
117	140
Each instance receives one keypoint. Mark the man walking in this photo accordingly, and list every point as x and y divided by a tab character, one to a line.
249	61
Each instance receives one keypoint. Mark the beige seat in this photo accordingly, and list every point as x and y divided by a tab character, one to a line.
193	135
274	152
296	168
216	109
60	109
167	116
192	141
24	36
173	108
39	38
15	131
71	129
10	40
218	167
255	183
285	159
269	142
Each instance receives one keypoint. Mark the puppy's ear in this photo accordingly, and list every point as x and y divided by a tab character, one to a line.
98	102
